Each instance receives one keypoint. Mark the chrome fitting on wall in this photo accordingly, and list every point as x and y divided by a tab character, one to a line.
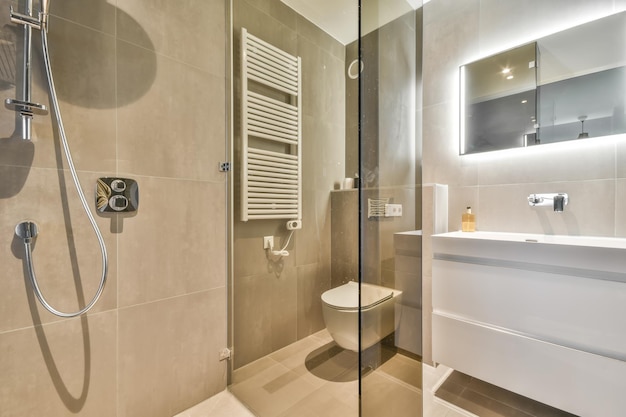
23	105
558	201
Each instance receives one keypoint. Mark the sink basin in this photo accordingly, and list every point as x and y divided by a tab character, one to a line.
588	241
594	257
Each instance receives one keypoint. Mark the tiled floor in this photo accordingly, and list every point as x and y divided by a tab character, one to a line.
315	378
223	404
486	400
433	406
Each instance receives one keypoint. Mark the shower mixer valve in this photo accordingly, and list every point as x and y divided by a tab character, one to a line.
117	195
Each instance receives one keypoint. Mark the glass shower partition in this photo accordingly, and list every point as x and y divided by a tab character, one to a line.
292	352
388	144
284	361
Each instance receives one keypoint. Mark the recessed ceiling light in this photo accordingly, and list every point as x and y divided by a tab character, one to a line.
509	77
524	101
506	70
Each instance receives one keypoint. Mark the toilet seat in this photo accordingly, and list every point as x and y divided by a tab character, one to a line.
346	297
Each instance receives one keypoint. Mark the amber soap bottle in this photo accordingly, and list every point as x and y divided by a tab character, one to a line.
468	221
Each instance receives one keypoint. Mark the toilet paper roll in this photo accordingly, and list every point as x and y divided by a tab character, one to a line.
347	184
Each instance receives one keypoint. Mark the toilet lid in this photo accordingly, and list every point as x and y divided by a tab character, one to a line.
346	297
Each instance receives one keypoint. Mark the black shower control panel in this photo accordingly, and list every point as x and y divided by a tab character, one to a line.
117	195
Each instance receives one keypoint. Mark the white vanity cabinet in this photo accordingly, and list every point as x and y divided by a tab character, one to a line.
543	316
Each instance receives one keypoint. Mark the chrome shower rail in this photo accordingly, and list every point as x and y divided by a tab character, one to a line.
24	106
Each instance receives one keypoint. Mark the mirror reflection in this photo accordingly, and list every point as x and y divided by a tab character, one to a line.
566	86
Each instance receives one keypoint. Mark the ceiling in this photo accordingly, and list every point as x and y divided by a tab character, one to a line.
339	18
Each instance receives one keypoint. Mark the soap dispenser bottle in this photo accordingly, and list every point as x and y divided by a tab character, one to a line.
468	221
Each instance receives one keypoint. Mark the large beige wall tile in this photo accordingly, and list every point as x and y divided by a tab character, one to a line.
84	76
192	32
506	209
351	127
266	312
253	259
322	39
620	208
313	280
620	158
175	244
322	157
255	17
85	81
96	14
500	21
450	39
427	318
324	83
176	128
66	254
344	237
313	97
168	354
548	164
311	241
407	244
252	314
442	163
460	199
397	70
60	369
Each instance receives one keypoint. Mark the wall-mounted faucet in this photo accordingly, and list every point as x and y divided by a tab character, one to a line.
558	201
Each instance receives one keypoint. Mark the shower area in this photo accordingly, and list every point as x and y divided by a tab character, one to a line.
325	317
127	80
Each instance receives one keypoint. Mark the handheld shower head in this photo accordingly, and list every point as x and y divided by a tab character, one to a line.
43	14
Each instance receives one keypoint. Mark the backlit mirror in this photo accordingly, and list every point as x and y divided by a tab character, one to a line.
566	86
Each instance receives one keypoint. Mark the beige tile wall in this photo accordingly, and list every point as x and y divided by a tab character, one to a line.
142	86
496	186
277	302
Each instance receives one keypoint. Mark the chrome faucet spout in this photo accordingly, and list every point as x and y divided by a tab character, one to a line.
558	201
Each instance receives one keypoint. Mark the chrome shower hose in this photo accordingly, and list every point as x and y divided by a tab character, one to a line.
68	155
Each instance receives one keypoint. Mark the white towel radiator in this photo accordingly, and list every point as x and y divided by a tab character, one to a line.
271	120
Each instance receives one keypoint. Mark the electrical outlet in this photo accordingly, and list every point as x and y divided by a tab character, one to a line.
393	210
268	242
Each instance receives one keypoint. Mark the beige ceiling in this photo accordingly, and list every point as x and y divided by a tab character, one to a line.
339	19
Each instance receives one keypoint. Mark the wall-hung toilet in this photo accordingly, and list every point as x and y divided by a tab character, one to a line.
340	307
